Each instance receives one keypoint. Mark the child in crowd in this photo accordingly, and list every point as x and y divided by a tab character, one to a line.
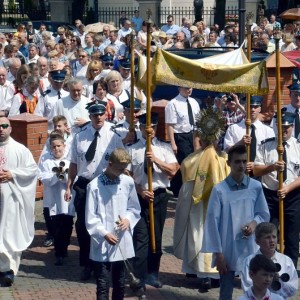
60	125
53	173
266	239
112	211
60	129
262	271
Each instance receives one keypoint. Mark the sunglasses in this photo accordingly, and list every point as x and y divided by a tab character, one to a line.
73	40
82	56
4	126
109	64
255	106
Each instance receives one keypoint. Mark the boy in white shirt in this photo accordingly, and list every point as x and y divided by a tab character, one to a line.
53	173
262	271
266	239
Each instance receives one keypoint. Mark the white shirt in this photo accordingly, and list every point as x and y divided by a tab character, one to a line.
108	141
104	205
72	110
176	113
123	32
235	133
267	155
18	100
249	296
46	103
44	82
123	128
7	91
81	71
33	60
162	151
288	289
54	188
124	96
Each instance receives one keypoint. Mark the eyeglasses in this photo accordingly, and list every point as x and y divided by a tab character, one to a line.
73	40
4	126
82	56
60	34
254	106
169	21
109	64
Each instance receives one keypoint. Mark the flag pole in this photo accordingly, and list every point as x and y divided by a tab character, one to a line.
277	37
248	120
149	131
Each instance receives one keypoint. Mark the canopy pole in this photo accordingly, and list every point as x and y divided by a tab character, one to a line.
280	149
249	42
132	81
149	131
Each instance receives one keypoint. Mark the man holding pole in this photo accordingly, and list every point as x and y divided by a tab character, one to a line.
164	167
268	166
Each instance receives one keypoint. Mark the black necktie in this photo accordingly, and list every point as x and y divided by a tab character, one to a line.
285	160
90	153
297	123
190	112
253	143
58	94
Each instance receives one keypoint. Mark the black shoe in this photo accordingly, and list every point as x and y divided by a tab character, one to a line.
153	281
86	274
48	242
9	278
205	285
215	283
59	261
188	275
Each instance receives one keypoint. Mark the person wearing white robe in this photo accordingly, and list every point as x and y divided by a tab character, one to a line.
236	205
18	172
112	211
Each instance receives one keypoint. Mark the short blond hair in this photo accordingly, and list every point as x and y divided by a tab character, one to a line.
120	156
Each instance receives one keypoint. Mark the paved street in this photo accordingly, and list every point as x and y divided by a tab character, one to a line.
40	279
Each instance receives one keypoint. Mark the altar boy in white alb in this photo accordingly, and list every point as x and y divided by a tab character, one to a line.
18	172
112	211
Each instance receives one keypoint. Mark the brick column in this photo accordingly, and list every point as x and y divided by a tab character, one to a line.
286	78
31	131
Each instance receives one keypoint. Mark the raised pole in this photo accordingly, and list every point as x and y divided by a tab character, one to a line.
248	121
131	124
149	131
277	37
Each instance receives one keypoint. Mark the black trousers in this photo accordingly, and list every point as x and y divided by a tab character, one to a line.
83	236
63	225
145	262
185	146
291	220
102	273
48	222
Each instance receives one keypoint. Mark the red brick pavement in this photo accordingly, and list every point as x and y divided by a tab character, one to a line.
40	279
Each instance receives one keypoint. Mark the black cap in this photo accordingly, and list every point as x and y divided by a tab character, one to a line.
154	119
107	57
96	108
256	100
294	87
125	63
136	104
58	75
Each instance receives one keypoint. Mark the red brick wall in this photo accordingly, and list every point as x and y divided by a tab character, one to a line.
270	101
31	131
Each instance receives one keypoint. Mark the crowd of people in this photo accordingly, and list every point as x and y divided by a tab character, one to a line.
95	162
